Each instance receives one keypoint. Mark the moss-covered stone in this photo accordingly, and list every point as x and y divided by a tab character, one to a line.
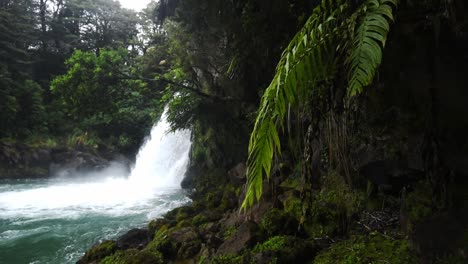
285	249
333	208
134	256
275	243
292	204
155	225
373	248
199	219
416	206
276	222
161	242
100	251
224	259
229	231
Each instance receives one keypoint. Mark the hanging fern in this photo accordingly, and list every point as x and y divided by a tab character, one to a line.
308	59
311	57
369	41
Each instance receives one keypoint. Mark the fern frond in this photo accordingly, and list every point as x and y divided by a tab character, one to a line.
308	59
369	41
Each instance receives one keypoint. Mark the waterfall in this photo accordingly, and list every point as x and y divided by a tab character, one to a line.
163	159
159	168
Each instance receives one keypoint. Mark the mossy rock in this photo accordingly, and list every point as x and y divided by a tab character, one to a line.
162	243
134	256
155	225
416	206
279	222
292	204
285	249
225	259
229	199
373	248
189	249
333	208
180	213
100	251
199	219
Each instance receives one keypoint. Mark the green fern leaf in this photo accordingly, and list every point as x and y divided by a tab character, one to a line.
369	41
306	61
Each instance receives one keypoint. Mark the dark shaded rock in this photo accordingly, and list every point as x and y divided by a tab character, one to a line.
390	176
237	174
440	235
247	235
183	243
66	162
183	235
278	222
135	238
264	257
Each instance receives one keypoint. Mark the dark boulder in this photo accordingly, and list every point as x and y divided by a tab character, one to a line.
247	235
135	238
390	176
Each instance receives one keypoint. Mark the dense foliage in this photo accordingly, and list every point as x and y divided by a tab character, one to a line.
76	67
354	110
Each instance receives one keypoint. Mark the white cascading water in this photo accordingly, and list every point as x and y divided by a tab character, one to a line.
160	166
172	152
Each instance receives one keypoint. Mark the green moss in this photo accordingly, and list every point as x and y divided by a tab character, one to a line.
367	249
230	230
189	249
293	204
275	243
417	205
100	251
276	222
333	207
286	249
226	259
134	256
161	243
155	225
184	223
199	219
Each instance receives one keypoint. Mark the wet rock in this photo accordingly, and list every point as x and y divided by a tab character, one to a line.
247	235
135	238
237	174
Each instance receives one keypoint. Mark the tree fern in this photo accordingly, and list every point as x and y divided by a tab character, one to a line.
312	57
